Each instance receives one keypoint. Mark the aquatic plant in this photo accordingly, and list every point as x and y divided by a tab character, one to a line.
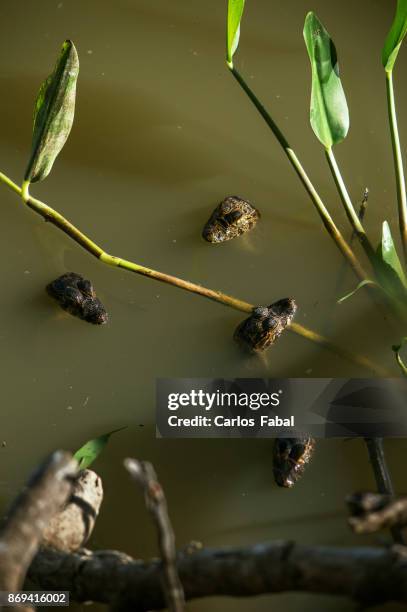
53	118
329	118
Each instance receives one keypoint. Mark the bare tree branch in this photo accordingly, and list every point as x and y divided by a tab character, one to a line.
365	575
22	531
143	473
372	512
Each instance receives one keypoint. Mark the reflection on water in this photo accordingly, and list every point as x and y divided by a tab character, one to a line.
162	134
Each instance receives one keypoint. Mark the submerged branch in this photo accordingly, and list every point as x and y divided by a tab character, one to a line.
365	575
49	214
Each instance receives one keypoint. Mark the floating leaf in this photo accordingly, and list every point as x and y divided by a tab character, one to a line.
395	36
396	349
235	12
53	114
360	285
329	112
87	454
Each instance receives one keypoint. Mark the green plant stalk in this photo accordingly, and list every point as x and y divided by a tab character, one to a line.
49	214
398	161
351	213
401	364
399	360
327	220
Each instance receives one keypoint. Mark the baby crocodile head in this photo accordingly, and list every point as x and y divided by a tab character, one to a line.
265	325
230	219
291	456
76	295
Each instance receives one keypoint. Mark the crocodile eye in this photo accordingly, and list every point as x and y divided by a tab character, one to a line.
283	446
286	306
233	216
73	295
226	207
223	223
86	287
260	312
297	451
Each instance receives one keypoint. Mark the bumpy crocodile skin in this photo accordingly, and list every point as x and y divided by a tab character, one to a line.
77	296
230	219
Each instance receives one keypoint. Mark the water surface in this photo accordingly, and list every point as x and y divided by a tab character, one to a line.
162	134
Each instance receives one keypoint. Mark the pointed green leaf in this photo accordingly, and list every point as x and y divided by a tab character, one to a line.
389	254
329	112
360	285
87	454
235	12
389	272
53	114
395	36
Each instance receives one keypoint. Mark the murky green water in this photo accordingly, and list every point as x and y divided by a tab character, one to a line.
162	133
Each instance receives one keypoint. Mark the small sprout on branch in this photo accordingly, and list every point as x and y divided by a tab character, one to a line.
90	451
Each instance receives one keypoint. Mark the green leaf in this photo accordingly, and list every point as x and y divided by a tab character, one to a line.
389	253
87	454
53	114
395	36
329	112
388	269
235	12
396	348
360	285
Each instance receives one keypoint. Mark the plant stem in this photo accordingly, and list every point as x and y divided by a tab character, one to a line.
327	220
49	214
398	161
401	364
382	476
351	213
396	349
